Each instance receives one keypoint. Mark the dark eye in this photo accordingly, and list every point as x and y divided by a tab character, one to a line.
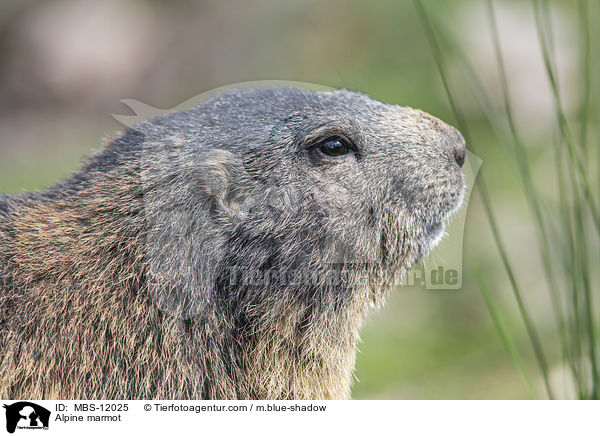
334	147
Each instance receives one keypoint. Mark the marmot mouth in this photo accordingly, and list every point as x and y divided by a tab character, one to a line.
458	203
433	235
434	231
434	228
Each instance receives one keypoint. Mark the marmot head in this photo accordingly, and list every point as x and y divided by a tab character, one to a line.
288	179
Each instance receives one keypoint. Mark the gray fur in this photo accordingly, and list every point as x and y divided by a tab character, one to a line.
215	253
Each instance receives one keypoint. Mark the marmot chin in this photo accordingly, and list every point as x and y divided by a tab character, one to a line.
228	251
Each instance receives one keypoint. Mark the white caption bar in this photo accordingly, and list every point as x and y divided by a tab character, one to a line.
297	417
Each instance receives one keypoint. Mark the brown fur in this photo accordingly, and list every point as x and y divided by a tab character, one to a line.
106	340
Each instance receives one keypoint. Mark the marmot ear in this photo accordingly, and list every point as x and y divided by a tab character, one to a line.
221	178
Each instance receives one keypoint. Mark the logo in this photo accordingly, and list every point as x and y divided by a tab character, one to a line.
26	415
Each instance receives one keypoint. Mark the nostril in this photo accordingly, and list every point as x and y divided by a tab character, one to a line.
459	156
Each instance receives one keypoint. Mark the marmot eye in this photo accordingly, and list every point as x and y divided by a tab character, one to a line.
333	147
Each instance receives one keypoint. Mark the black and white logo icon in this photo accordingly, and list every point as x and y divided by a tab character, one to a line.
26	415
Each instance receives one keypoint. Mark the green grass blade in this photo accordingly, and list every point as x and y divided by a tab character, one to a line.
574	153
530	191
505	336
532	332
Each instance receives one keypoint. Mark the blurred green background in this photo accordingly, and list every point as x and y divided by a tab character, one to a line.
65	65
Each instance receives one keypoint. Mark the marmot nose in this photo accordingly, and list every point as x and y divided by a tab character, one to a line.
459	154
458	148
